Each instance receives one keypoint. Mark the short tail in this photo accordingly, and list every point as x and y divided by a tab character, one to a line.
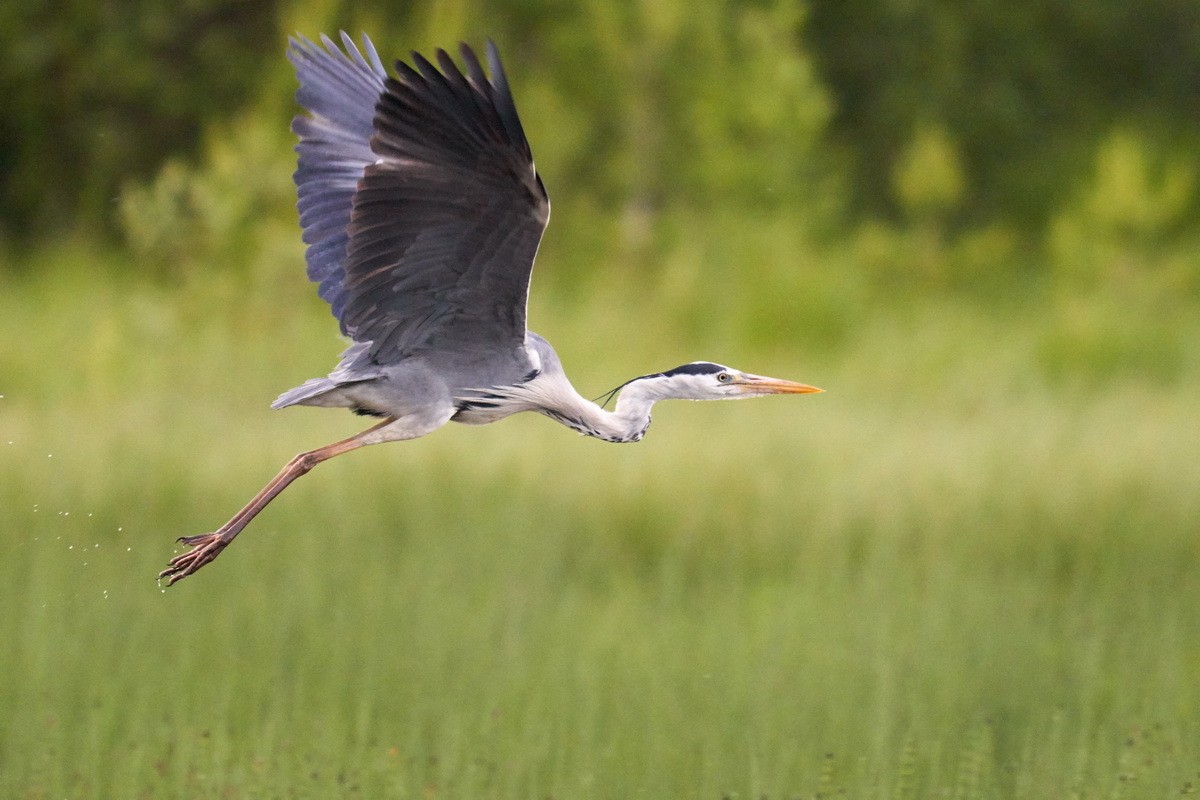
308	390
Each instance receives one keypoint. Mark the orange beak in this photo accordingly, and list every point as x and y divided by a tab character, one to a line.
759	384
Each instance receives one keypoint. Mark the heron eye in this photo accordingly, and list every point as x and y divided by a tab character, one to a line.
724	377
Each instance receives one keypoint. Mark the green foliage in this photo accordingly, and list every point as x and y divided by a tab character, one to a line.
723	107
1124	269
1025	88
234	210
646	105
97	94
1132	224
928	179
620	165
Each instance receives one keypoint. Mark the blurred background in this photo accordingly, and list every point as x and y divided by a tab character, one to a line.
970	567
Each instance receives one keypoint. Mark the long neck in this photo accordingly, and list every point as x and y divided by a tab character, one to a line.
628	423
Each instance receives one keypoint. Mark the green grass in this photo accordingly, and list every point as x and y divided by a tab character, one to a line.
966	571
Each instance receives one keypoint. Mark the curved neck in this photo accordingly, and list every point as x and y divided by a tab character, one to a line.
628	423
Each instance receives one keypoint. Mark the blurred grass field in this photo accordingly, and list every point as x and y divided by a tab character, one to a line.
968	570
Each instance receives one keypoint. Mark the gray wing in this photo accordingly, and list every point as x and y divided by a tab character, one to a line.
340	90
447	220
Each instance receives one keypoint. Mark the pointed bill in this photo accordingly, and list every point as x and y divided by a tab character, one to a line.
760	384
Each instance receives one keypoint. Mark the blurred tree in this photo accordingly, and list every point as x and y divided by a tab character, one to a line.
927	178
645	102
681	105
99	92
1125	224
954	117
632	108
1025	88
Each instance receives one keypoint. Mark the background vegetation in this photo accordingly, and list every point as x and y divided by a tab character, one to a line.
968	570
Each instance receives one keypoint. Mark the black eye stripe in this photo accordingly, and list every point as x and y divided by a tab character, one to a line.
699	368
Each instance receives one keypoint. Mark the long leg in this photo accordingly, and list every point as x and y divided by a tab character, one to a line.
208	546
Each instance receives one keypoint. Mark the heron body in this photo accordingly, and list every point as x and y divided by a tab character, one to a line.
422	211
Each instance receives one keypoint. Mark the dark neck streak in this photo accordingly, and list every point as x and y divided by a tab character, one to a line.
627	423
610	430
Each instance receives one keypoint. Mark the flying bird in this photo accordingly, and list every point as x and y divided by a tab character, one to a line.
422	212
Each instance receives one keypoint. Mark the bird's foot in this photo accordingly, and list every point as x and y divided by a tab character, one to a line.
205	548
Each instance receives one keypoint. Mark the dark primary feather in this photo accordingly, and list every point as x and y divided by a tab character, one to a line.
446	222
418	198
340	90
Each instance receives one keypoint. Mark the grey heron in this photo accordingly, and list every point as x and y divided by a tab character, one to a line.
422	212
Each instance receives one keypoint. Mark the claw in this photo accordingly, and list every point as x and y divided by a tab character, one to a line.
205	548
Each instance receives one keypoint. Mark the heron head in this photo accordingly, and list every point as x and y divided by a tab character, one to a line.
704	380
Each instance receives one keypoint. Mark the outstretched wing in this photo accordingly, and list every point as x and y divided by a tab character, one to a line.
447	220
340	90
